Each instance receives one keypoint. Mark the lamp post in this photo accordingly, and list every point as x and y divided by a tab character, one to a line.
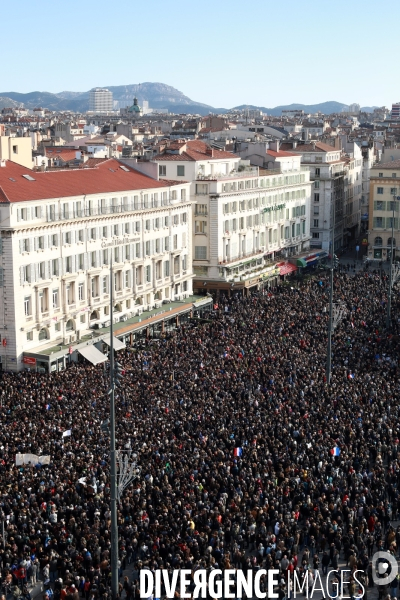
330	323
113	457
390	283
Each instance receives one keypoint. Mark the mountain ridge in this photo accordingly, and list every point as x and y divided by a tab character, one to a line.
159	95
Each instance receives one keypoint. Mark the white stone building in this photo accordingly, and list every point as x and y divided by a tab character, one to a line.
59	231
246	219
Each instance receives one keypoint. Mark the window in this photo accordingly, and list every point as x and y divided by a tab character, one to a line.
127	279
81	235
180	170
316	185
379	190
287	233
166	268
28	306
317	172
54	239
93	233
380	174
393	191
176	219
316	197
394	175
176	265
315	235
147	225
200	226
166	244
316	223
116	254
68	264
42	270
105	285
148	274
38	212
162	170
116	230
15	149
127	228
40	242
54	267
25	245
316	210
147	249
201	189
55	298
43	334
175	241
68	237
26	273
378	222
378	241
29	336
82	318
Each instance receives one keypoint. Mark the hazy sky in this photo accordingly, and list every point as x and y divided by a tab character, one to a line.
219	52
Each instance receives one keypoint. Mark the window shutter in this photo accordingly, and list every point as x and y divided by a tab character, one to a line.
21	246
85	261
45	241
47	268
18	214
35	243
21	275
28	214
33	273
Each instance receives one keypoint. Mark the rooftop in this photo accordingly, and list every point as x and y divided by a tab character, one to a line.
19	184
195	150
394	164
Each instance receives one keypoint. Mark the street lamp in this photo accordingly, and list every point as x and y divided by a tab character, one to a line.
331	322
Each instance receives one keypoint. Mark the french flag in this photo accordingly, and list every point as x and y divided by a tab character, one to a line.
47	406
335	451
238	452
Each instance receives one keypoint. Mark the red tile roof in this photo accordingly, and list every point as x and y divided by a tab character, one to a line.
319	147
57	152
281	153
105	178
195	150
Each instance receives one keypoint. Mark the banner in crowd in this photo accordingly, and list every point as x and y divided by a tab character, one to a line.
31	459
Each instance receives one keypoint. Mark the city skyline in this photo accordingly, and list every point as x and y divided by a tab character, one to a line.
221	56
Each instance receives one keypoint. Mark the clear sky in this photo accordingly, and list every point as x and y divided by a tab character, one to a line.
220	52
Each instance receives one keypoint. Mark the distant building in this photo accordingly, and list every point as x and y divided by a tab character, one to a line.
100	100
396	110
383	194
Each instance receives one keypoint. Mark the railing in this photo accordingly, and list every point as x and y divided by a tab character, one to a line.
107	210
246	172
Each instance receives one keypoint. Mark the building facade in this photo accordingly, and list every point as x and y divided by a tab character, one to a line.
327	171
384	208
59	232
100	100
246	219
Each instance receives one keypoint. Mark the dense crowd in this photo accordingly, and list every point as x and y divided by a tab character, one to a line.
234	427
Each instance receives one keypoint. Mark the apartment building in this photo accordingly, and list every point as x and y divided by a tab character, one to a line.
246	219
100	100
327	172
59	232
384	208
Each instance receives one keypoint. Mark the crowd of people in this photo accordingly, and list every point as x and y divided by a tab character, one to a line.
248	457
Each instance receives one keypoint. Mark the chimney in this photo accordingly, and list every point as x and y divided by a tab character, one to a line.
210	151
294	144
2	163
313	145
274	145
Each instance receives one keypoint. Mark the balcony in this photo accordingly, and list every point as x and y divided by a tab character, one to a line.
246	172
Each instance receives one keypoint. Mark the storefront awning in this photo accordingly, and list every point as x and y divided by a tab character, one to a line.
301	262
118	345
287	268
93	355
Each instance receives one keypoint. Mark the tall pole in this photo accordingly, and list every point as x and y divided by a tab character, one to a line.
389	302
113	461
330	323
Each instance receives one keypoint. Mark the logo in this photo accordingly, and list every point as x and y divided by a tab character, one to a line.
380	567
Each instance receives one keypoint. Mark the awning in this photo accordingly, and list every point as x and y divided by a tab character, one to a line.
301	262
287	268
118	345
93	355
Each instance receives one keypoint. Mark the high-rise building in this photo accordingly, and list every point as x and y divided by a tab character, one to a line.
396	110
100	100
